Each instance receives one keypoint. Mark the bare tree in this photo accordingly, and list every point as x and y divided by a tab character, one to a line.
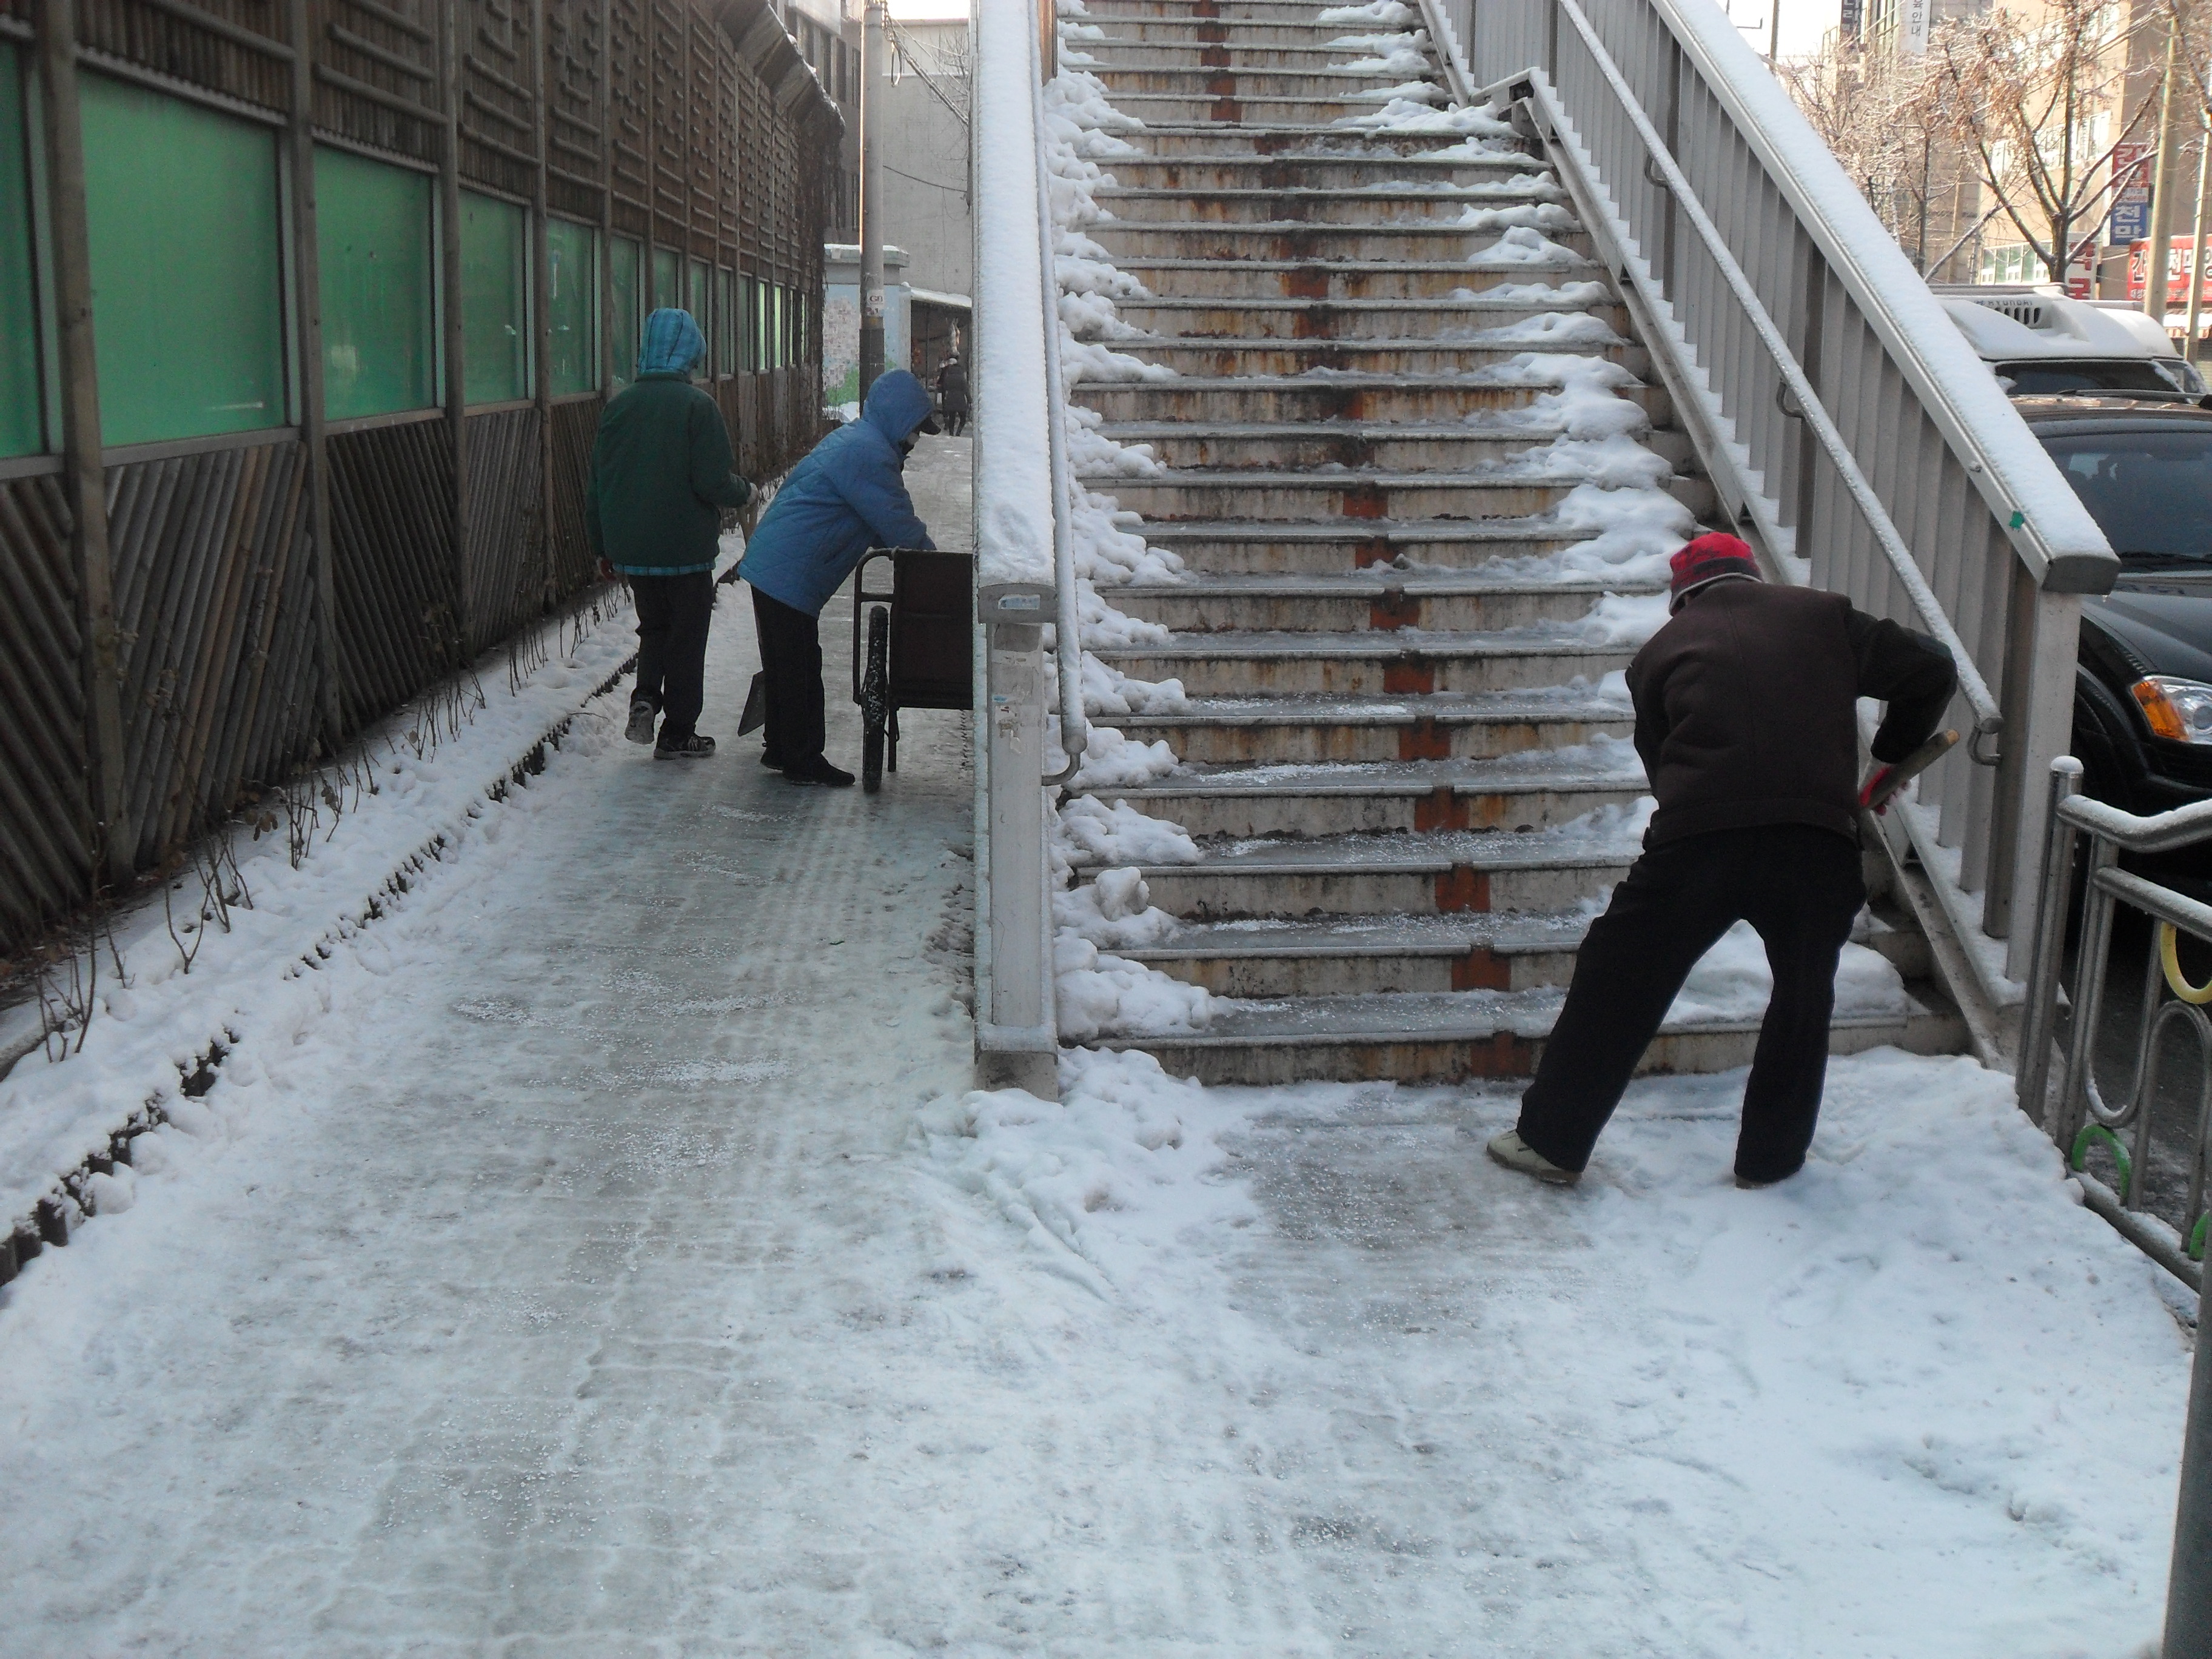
1880	113
2021	94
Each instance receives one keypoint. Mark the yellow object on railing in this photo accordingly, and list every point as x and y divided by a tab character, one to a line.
2169	957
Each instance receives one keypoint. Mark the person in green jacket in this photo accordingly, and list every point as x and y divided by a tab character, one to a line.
660	476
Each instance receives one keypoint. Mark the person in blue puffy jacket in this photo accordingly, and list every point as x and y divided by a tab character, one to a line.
846	497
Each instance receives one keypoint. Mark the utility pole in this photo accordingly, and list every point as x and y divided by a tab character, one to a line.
1773	33
2197	239
2161	198
872	65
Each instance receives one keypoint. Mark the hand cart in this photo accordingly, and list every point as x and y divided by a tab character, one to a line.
918	652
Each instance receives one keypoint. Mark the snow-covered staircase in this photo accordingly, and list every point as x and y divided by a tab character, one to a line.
1402	761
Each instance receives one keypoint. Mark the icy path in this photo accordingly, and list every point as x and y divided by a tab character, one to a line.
616	1265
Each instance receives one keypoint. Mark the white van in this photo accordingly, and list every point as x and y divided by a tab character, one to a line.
2041	344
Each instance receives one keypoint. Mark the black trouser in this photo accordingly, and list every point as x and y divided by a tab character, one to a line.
956	417
1800	888
791	657
673	613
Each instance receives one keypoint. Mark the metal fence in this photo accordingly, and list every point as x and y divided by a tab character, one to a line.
182	621
1850	432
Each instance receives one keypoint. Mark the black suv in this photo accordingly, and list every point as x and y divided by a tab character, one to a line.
2142	698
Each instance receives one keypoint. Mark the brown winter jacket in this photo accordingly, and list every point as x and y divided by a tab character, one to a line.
1745	707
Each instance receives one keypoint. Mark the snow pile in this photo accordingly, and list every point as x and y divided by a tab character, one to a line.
1732	981
1110	759
1098	995
1392	60
1407	92
1522	216
1103	1183
1637	531
1087	830
1522	245
1384	14
1398	40
1108	690
1624	619
1115	910
1091	452
1551	328
1584	404
1471	149
1417	114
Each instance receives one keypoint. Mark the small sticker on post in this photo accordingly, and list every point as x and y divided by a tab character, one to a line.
873	305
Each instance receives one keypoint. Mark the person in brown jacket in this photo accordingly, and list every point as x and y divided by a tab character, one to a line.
1746	723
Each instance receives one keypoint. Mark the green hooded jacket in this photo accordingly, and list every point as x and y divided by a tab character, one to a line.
660	466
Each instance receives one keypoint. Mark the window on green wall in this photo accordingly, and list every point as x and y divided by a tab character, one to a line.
748	300
696	299
623	259
22	395
494	307
573	287
187	294
380	310
667	278
776	325
725	323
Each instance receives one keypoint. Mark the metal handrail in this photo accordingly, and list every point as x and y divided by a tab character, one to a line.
1067	630
1533	85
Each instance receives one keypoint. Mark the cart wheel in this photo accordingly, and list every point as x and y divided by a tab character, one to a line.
875	699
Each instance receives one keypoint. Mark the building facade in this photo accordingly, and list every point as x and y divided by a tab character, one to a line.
307	310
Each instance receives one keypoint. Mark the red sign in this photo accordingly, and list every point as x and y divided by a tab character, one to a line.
2178	264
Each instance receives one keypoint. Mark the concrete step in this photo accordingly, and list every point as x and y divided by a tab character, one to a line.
1372	664
1314	169
1236	547
1111	13
1125	48
1441	873
1320	278
1418	241
1535	792
1375	601
1274	498
1244	359
1130	34
1452	446
1362	205
1213	141
1204	317
1314	112
1371	955
1364	399
1309	731
1324	81
1447	1037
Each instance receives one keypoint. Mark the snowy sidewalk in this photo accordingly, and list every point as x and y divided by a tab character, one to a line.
614	1262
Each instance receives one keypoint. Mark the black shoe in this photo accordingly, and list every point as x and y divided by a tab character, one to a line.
642	714
694	747
773	762
818	771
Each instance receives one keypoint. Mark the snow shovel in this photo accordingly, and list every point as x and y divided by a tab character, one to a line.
1882	783
755	714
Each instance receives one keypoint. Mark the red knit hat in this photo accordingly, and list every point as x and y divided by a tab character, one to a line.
1710	558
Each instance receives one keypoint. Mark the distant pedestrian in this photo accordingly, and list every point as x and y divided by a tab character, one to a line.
846	496
660	476
952	394
1745	721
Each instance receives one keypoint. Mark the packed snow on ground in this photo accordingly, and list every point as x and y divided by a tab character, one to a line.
605	1251
418	779
1520	246
1418	114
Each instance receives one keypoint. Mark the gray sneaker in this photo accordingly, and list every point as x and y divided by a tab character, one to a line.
642	714
1516	1153
695	747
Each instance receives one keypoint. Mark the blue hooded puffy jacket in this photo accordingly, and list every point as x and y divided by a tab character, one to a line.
844	498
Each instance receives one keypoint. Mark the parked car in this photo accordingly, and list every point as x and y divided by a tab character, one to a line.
2042	345
2142	698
